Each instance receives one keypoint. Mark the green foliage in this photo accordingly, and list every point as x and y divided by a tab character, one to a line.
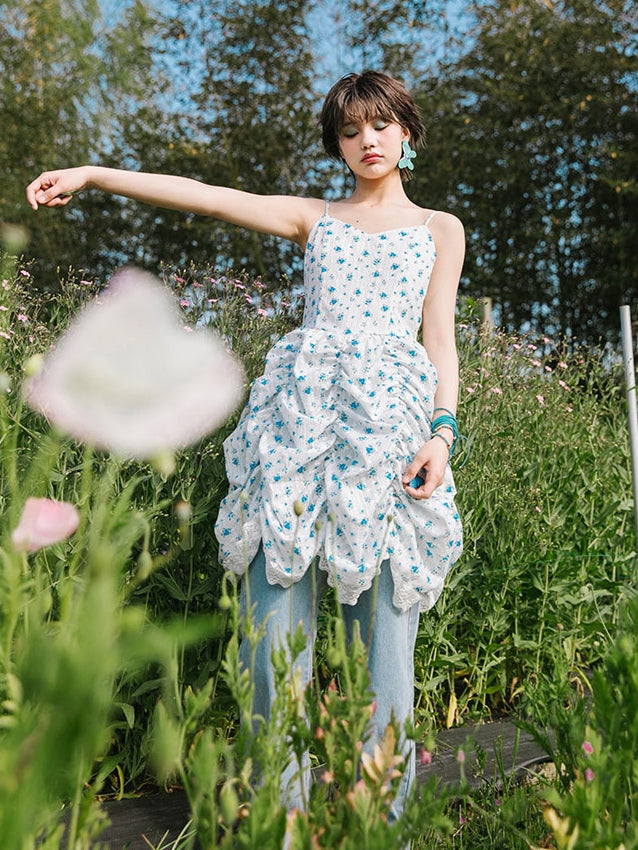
548	519
122	642
531	131
67	76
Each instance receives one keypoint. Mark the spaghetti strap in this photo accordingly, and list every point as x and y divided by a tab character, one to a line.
430	217
327	209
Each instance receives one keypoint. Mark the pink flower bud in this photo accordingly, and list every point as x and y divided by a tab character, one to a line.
43	523
426	756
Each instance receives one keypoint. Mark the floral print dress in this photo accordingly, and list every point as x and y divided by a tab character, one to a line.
345	401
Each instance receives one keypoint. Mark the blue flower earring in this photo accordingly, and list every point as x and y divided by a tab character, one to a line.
408	155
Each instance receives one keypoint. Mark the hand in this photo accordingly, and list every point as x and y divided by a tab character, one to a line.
430	463
55	188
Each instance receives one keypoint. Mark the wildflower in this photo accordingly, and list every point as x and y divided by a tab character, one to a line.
460	757
562	364
426	756
470	389
126	378
588	748
497	390
535	362
540	399
43	523
589	774
24	273
22	318
184	302
261	311
537	509
548	368
562	384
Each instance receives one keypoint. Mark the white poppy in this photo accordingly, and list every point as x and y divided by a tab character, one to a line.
127	377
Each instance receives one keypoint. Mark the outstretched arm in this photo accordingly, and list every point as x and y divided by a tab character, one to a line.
281	215
440	343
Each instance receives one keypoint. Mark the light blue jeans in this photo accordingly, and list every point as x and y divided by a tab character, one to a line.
390	657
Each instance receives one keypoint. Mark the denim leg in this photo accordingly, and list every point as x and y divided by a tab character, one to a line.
391	665
281	609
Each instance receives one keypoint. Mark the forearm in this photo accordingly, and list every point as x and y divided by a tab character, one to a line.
446	363
446	395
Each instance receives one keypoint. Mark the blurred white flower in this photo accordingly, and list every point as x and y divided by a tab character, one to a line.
126	377
43	523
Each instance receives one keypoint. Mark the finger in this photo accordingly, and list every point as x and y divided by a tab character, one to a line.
414	468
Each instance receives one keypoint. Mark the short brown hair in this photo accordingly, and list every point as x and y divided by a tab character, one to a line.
362	97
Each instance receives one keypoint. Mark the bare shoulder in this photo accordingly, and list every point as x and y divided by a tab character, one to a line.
446	225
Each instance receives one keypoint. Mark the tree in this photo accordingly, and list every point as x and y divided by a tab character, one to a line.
248	120
64	76
531	133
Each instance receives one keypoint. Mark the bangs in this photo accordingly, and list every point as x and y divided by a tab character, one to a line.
362	107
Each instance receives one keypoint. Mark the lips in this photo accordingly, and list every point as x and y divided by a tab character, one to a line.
371	157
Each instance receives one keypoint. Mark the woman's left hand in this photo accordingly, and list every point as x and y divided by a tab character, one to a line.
429	463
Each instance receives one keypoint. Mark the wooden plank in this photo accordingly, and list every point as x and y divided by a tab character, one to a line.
155	820
484	747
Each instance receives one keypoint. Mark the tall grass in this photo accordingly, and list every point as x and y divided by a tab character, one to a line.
533	604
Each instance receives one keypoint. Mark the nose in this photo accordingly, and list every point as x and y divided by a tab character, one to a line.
368	137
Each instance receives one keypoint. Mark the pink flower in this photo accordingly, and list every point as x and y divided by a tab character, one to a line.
460	757
497	390
588	748
426	756
127	378
540	399
43	523
589	774
261	311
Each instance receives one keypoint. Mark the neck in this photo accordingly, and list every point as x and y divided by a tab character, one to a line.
375	192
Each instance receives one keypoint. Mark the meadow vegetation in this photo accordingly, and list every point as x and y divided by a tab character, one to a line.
118	644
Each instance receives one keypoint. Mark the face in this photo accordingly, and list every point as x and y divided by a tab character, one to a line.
371	148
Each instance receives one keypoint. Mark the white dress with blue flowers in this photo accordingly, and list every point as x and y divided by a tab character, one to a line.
345	401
